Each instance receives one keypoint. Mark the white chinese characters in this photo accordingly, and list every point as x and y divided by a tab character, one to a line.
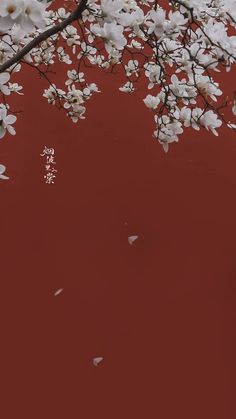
49	167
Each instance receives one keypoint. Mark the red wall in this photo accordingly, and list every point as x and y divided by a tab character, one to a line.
161	312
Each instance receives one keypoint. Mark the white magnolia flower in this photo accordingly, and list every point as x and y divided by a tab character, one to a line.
77	113
73	97
131	68
33	15
61	12
191	117
176	21
111	8
29	14
14	87
178	87
6	122
133	19
151	101
156	21
73	77
72	37
112	34
135	44
128	87
114	56
168	130
86	51
210	121
93	88
53	93
10	13
63	56
153	72
207	87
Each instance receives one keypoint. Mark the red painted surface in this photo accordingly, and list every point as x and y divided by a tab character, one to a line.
160	312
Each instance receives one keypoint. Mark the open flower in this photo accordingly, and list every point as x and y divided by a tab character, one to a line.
156	22
111	9
10	12
32	15
6	122
27	13
151	101
210	122
112	33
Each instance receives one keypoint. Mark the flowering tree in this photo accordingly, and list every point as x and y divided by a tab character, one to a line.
178	47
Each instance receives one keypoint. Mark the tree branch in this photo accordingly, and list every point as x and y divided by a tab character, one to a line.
75	15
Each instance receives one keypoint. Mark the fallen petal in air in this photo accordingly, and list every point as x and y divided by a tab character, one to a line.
131	239
58	291
97	360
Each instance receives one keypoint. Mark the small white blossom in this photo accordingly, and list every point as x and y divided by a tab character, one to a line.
14	87
151	101
128	87
6	122
210	121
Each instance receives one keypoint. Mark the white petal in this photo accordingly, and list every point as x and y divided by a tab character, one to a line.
4	77
5	90
233	126
10	119
131	239
11	130
58	291
2	168
165	147
97	360
2	132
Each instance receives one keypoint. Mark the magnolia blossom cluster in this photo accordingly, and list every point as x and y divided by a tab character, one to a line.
27	14
74	98
177	50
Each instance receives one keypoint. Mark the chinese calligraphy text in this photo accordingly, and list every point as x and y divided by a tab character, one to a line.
49	166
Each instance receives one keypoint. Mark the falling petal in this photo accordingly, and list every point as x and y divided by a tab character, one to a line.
97	360
58	291
131	239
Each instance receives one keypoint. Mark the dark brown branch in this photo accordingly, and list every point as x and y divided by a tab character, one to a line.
75	15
